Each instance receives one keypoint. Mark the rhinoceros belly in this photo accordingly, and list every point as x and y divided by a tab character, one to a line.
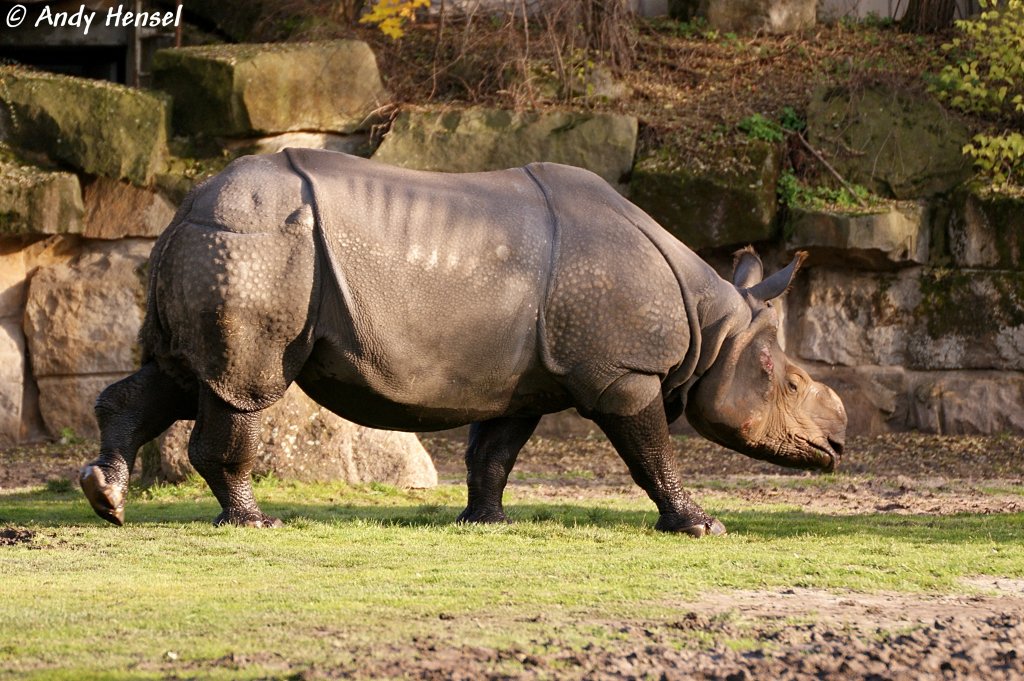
430	316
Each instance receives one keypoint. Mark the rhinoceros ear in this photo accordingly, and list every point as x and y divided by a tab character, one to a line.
747	269
777	284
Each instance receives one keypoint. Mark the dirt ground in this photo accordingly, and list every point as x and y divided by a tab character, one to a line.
790	634
783	634
905	473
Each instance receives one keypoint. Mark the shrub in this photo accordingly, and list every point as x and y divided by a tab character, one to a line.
758	127
986	77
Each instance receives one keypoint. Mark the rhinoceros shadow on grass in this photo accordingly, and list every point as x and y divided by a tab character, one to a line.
422	301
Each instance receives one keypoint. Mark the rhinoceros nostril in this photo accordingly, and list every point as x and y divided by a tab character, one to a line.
836	445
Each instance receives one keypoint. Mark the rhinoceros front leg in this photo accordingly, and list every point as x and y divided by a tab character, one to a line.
492	451
222	449
642	440
130	413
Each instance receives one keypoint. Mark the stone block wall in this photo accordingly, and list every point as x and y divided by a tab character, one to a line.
913	311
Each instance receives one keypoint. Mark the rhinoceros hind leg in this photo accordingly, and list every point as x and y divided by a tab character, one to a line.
642	440
223	449
492	451
130	413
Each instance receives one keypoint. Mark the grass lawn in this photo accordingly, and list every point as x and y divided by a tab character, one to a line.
364	569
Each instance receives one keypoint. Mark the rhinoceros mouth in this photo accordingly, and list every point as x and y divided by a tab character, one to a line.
832	449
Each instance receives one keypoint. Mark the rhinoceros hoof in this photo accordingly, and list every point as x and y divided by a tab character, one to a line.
241	518
710	526
482	516
106	499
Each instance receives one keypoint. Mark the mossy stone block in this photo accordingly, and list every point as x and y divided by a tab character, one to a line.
919	318
894	235
255	89
98	127
35	201
986	229
896	142
481	139
711	207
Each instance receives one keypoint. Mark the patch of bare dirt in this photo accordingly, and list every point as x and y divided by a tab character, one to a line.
790	634
901	496
12	536
896	456
39	464
909	473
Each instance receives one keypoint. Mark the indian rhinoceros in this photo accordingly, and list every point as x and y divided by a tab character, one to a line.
421	301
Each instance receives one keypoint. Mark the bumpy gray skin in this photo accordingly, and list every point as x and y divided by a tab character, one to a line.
421	301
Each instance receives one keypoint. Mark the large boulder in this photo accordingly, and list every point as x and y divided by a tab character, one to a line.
114	210
918	318
896	142
19	408
246	90
494	139
18	261
82	320
12	380
749	16
301	440
986	229
358	144
36	201
13	273
875	397
896	235
95	126
967	402
883	399
734	204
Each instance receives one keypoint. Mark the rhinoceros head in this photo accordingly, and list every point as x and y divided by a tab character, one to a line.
753	399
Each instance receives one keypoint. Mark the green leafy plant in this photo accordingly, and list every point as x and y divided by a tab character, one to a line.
793	192
68	436
999	157
986	77
757	127
791	120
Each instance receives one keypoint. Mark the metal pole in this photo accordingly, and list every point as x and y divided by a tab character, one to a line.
177	29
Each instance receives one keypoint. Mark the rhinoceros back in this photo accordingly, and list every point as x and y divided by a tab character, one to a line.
438	283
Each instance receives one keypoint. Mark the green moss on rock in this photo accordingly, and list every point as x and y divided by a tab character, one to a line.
967	303
711	207
35	201
923	318
98	127
896	142
986	229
